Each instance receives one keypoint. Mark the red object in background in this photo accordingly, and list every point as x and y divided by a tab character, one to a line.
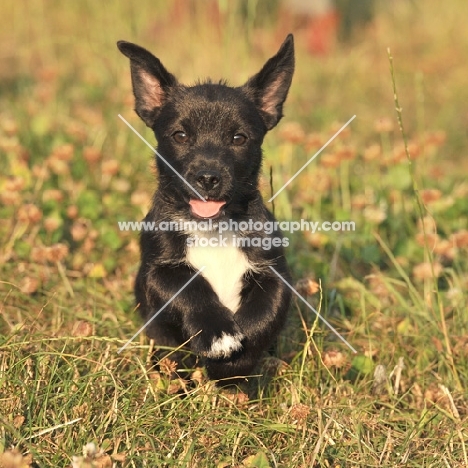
314	21
322	32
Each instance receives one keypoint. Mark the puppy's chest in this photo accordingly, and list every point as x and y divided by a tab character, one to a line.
225	267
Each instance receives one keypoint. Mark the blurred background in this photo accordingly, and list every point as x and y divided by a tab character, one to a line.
67	155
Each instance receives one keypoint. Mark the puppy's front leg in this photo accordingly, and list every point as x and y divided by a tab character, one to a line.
261	316
264	304
196	310
263	312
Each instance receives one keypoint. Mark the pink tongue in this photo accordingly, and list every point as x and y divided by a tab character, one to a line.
206	209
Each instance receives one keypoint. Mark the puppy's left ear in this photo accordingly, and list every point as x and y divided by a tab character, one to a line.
270	86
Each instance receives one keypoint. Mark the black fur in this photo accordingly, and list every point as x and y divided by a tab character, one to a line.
210	115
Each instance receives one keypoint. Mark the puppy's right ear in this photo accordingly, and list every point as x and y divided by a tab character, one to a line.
150	81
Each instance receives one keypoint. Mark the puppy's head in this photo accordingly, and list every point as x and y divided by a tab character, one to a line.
209	135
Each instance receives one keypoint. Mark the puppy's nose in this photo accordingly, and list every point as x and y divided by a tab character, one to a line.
208	179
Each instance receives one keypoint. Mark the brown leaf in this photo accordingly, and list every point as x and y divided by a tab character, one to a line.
29	213
424	270
430	195
18	421
14	459
119	457
92	155
82	328
460	238
334	359
175	387
292	132
29	285
56	252
299	412
307	287
110	167
197	375
167	366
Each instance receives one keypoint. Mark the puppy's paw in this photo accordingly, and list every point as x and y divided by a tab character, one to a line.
225	346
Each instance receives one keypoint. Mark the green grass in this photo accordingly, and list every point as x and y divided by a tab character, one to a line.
395	287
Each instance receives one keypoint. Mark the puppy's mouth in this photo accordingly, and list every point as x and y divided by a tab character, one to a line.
209	209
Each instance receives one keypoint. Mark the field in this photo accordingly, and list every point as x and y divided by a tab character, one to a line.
395	288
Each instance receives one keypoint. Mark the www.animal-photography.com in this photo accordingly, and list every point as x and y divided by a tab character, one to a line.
233	234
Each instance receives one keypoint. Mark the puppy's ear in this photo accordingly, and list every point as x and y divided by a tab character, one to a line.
150	81
269	87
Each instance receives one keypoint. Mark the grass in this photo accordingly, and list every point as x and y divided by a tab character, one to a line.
395	287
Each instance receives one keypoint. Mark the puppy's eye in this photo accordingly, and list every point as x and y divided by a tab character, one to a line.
239	139
180	137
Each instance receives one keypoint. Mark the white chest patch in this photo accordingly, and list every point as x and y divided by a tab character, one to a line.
224	268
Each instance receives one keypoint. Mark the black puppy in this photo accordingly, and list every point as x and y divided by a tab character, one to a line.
211	135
